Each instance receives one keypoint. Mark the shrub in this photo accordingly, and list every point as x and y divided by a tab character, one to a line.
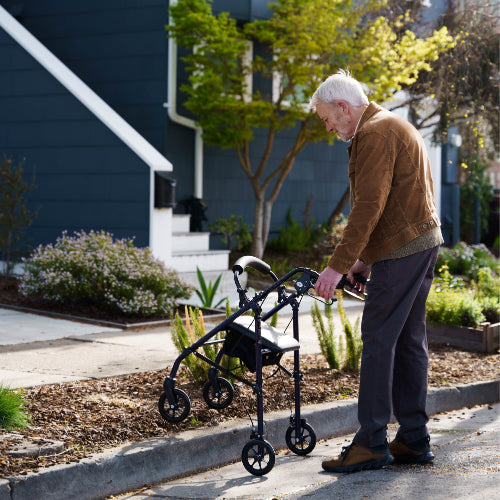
487	292
184	335
13	412
233	227
94	269
337	352
451	304
354	345
466	259
295	238
329	345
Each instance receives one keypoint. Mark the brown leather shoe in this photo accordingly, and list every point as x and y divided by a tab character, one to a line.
418	452
355	457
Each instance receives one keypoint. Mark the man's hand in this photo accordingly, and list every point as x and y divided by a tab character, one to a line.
358	268
327	282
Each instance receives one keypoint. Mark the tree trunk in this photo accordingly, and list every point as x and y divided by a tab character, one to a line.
258	244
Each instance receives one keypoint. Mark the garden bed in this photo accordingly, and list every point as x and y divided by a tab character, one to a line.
485	339
84	417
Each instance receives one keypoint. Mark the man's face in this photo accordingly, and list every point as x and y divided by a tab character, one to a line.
337	119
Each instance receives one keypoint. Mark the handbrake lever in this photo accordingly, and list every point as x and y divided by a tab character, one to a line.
351	289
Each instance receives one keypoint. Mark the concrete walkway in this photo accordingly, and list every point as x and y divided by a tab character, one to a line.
36	350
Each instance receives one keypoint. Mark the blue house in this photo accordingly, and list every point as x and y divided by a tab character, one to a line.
88	95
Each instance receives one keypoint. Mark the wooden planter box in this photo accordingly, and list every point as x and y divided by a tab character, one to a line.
485	339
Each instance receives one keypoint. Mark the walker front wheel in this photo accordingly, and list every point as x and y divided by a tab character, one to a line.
218	397
302	444
258	457
177	411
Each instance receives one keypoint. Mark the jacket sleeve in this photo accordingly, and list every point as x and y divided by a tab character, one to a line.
370	175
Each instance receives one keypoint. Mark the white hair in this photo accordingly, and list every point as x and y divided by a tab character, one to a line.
340	86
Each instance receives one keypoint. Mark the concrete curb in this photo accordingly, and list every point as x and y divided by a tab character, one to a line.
135	465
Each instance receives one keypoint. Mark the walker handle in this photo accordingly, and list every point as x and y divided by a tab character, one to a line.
249	261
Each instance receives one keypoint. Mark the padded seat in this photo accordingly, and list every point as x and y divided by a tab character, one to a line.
272	338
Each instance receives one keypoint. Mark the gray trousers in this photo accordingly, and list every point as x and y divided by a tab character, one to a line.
395	357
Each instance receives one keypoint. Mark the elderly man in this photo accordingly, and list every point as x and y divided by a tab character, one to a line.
392	235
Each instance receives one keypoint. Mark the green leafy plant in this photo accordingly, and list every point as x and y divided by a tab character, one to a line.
186	334
207	291
13	411
234	227
326	335
111	274
295	238
487	292
466	260
354	345
450	304
344	353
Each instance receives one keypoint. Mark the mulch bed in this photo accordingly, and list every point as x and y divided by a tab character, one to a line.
92	415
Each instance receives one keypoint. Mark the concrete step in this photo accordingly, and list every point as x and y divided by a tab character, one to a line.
183	242
208	260
180	223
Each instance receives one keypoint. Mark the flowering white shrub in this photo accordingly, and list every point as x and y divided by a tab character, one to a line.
93	269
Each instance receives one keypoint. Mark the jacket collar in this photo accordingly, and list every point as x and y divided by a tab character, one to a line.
372	108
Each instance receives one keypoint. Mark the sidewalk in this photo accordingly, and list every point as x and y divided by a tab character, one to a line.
37	350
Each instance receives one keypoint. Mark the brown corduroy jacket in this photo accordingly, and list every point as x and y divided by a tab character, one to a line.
392	195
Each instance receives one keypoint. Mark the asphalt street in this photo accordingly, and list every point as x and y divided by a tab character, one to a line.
466	443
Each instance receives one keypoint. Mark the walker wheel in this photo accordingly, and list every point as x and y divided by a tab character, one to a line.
258	457
178	411
221	398
304	443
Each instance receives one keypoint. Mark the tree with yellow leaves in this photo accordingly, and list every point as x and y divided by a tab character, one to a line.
293	51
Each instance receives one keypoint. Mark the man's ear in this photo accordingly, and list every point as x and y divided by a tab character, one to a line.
343	106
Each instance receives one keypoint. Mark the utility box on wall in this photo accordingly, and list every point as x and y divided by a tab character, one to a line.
164	190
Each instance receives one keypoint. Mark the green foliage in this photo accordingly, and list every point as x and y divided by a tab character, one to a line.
15	217
354	345
110	274
452	304
233	227
338	352
487	292
466	260
295	238
13	411
326	335
207	292
184	335
476	188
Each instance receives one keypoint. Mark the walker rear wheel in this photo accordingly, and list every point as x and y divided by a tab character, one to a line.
258	457
177	411
302	444
220	397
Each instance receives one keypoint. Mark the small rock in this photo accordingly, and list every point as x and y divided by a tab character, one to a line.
36	448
